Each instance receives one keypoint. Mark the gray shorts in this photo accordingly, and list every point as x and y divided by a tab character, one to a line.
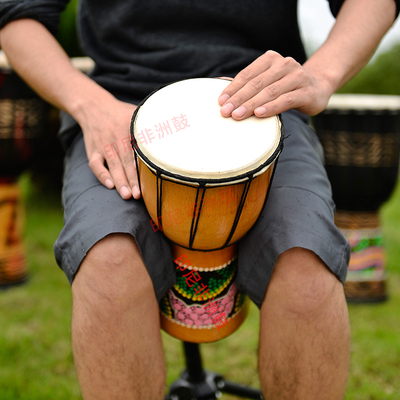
298	213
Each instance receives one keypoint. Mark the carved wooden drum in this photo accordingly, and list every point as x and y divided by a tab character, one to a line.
361	139
204	179
22	124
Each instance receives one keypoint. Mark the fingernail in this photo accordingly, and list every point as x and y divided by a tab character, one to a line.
125	192
109	183
239	112
260	111
135	192
227	109
223	98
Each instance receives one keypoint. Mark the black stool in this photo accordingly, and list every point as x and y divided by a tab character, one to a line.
197	384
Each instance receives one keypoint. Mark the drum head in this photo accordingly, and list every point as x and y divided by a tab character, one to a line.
179	131
363	102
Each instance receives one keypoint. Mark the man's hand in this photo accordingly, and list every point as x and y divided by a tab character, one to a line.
107	139
271	85
105	121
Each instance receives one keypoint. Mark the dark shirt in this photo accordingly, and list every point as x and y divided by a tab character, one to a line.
138	45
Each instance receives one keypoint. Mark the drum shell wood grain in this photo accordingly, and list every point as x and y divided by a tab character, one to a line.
218	210
12	253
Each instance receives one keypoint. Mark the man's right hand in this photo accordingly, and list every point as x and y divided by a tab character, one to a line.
107	140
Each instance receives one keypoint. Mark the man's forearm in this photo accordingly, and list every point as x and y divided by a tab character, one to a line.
359	27
41	62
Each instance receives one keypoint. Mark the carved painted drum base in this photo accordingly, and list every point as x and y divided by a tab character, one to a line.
195	314
366	277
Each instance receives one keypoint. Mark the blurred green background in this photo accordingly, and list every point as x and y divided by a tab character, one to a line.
67	35
36	361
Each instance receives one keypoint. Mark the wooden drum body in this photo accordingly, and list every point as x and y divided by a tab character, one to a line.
23	118
204	192
23	122
361	139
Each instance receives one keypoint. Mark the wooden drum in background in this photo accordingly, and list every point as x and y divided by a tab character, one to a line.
360	135
23	119
204	179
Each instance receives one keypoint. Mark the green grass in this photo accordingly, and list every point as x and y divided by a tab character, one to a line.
35	349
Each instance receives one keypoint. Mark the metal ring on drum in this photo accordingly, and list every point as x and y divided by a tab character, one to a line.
204	180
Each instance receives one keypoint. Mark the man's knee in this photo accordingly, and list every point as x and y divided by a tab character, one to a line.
303	284
113	271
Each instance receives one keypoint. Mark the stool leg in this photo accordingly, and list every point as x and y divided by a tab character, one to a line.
194	364
197	384
238	390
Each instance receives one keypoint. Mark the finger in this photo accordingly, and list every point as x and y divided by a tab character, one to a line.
258	104
287	101
118	175
283	77
260	65
96	164
129	165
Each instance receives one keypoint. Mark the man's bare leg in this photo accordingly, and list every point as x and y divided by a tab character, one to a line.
305	333
115	325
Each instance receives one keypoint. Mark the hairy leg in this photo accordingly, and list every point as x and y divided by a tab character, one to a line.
305	333
115	325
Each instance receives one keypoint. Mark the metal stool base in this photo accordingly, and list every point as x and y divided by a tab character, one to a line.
197	384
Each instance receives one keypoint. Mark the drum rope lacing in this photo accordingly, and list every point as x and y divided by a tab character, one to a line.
196	218
239	210
197	209
196	215
159	198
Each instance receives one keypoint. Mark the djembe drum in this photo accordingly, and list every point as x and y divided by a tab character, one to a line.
361	138
23	117
204	180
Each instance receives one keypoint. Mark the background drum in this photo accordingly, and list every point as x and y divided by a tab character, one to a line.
23	122
28	140
204	179
361	139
